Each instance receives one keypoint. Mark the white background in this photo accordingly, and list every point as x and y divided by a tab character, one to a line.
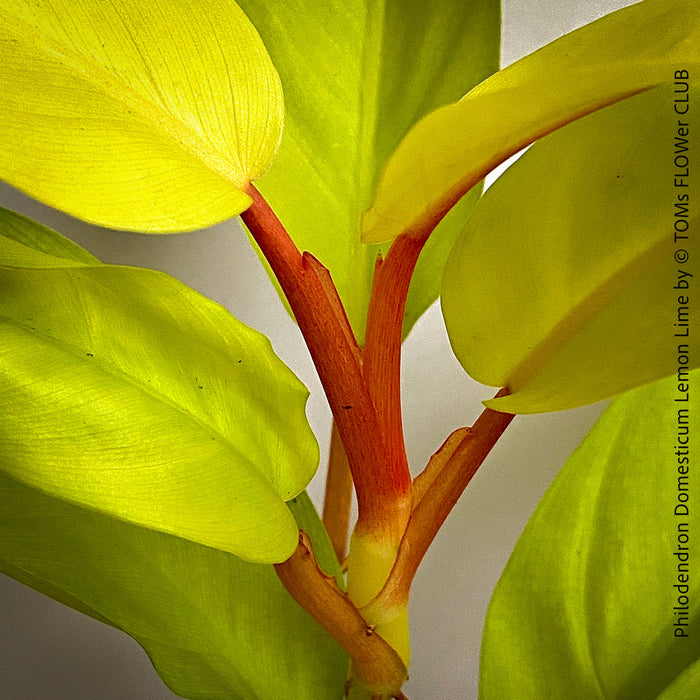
48	652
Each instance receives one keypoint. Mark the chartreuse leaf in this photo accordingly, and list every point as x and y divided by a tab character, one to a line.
23	241
356	76
593	599
215	627
137	115
126	392
564	281
450	150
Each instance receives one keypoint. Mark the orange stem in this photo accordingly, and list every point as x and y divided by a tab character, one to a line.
377	666
382	352
437	462
331	343
440	495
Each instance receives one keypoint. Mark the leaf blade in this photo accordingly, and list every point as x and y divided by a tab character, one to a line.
215	627
596	555
454	147
33	239
147	117
131	393
582	238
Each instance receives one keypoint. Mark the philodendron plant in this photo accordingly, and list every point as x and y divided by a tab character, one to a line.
154	451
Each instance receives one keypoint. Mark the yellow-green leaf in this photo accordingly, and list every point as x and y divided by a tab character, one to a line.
149	116
601	585
126	392
564	286
455	146
215	627
25	242
357	74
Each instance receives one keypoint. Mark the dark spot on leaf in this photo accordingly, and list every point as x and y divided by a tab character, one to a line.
89	354
348	407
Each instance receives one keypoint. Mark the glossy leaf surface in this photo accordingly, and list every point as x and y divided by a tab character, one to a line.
562	285
215	627
454	147
147	116
588	605
127	392
356	76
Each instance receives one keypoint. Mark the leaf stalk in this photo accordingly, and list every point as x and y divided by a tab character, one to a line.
376	666
382	351
323	323
442	483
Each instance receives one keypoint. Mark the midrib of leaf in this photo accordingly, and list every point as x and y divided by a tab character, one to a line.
176	131
114	371
584	310
363	134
